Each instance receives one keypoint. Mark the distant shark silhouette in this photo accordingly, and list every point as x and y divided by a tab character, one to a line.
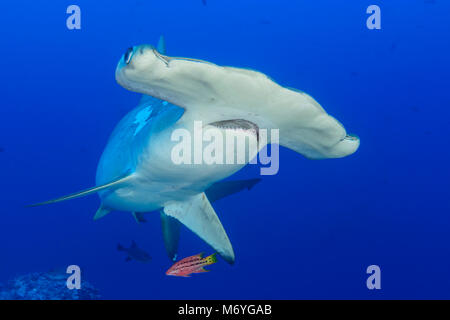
134	252
136	172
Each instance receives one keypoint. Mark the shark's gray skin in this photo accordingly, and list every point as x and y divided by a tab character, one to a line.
134	253
136	172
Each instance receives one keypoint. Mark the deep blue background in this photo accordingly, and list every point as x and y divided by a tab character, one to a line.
308	232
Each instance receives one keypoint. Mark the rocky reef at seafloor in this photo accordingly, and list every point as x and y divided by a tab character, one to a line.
46	286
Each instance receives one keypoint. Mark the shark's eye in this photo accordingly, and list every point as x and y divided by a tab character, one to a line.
128	55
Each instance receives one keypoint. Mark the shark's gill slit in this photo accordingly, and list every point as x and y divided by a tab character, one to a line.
161	57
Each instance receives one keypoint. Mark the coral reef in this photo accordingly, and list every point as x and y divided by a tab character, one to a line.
46	286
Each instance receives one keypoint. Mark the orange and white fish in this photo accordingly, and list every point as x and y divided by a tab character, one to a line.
192	264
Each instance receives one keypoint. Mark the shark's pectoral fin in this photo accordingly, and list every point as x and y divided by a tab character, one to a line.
223	189
139	217
101	212
171	234
198	215
171	226
109	185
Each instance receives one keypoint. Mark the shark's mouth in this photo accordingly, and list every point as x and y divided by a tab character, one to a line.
237	124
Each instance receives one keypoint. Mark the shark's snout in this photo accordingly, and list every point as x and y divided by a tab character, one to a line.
137	67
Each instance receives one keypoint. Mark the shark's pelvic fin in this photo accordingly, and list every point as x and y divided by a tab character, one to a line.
198	215
139	217
86	192
101	212
171	234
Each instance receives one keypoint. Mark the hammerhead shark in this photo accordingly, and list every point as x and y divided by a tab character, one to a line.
136	172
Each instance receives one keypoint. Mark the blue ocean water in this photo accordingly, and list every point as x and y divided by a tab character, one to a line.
308	232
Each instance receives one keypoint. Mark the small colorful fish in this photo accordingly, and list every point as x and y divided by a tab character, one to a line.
192	264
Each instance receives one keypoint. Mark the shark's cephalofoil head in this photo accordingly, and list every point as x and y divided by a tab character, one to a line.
214	94
140	65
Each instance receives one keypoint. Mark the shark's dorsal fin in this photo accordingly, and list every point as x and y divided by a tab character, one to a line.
161	45
171	234
86	192
198	215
